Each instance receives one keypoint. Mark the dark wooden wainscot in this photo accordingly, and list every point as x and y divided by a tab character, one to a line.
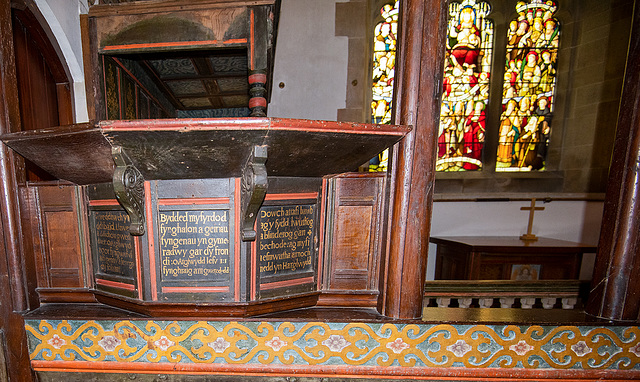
507	258
211	217
354	217
58	233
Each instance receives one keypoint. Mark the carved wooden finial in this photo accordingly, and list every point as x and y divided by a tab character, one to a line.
529	236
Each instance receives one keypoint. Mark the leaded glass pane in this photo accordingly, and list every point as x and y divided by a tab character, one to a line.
529	87
467	72
384	60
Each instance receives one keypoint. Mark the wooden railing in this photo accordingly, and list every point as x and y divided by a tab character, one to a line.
545	294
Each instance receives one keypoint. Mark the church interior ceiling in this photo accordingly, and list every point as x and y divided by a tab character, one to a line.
200	80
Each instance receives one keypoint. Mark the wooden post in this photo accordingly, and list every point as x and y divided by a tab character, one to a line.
615	288
258	62
13	278
417	102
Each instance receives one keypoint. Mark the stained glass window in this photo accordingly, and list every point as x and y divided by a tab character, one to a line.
384	60
529	87
467	72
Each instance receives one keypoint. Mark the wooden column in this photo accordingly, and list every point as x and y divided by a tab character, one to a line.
258	58
417	103
615	291
13	291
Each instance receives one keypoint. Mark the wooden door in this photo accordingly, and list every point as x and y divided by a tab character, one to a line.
43	84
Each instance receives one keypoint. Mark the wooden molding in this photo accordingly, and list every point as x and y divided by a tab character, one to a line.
193	310
170	6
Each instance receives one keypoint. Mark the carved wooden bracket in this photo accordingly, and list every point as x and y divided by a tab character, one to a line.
254	189
128	184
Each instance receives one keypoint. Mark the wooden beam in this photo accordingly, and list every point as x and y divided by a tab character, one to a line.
140	7
615	293
13	278
417	103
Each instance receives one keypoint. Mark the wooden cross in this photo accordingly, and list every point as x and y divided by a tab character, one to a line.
529	236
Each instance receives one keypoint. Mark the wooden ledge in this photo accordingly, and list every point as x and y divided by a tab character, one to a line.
204	148
471	316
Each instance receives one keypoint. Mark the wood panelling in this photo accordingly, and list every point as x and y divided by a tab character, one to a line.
63	248
43	85
496	258
56	236
352	247
128	92
354	221
37	88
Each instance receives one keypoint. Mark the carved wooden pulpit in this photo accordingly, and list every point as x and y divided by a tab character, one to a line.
201	216
204	220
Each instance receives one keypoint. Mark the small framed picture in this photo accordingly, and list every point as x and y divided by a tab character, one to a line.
525	272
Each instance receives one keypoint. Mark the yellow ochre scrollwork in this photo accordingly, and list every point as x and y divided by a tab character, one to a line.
322	343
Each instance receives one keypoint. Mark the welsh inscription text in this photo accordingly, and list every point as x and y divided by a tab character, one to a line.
194	245
285	239
114	244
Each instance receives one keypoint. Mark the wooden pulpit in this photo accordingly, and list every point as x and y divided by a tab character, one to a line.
203	217
183	198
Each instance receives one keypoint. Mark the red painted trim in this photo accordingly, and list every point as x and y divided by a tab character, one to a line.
338	130
137	246
182	124
257	101
341	371
174	44
302	195
193	201
286	283
338	127
115	284
103	202
152	245
254	267
258	77
223	289
321	239
252	41
348	127
236	252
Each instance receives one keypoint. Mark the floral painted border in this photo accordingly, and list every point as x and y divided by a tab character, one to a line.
335	344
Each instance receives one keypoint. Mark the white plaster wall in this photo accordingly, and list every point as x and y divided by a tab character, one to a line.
311	62
63	17
566	220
